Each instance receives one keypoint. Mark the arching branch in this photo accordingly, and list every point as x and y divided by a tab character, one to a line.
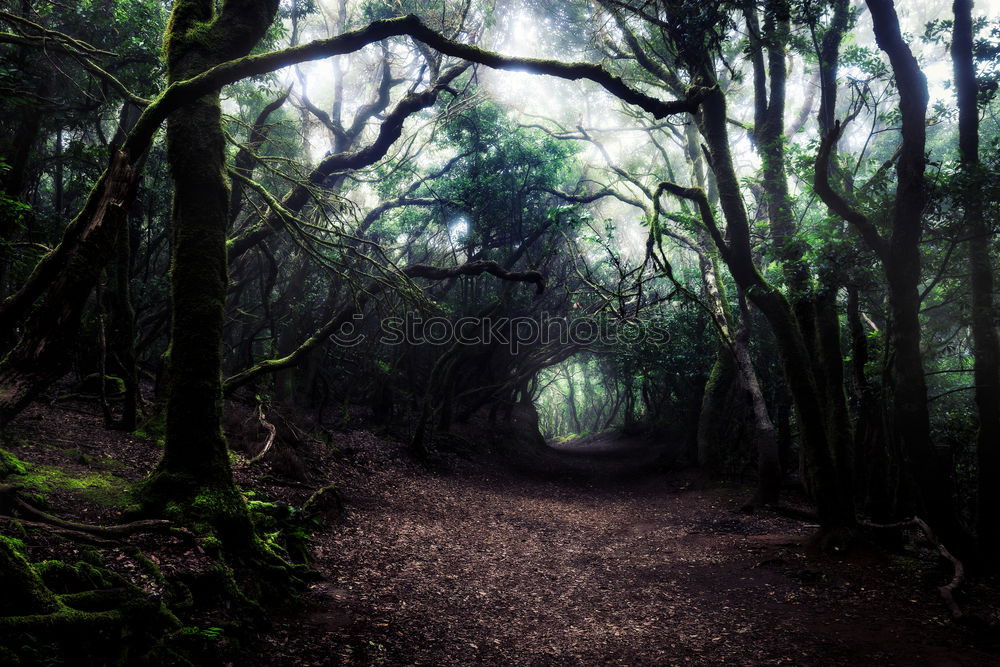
839	205
183	92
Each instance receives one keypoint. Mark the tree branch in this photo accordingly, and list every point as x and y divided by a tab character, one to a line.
390	130
839	205
183	92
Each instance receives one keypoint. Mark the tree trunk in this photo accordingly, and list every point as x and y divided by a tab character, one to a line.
876	486
816	321
194	473
41	355
928	474
571	402
832	495
986	345
768	459
123	337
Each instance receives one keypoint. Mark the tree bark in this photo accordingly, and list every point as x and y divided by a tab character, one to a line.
194	473
985	342
876	483
834	500
928	474
41	355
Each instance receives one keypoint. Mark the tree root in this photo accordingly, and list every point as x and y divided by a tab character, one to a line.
98	618
271	433
11	502
948	590
75	535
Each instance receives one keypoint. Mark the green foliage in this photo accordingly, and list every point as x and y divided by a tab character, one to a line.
210	634
430	10
985	50
866	59
500	188
10	209
130	28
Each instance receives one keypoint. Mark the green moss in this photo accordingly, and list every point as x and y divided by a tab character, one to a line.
211	509
92	556
284	529
103	488
16	545
55	612
148	566
219	514
61	577
11	465
23	590
154	428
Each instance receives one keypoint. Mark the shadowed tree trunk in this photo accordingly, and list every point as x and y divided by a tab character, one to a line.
927	476
911	420
42	353
986	345
814	309
833	495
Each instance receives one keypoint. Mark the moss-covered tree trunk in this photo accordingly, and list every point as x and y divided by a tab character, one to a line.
194	475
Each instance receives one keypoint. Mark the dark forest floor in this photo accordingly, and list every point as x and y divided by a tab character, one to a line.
487	567
471	564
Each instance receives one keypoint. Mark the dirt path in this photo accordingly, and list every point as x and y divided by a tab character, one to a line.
481	568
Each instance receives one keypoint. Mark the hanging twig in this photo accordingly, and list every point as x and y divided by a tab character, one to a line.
948	590
271	432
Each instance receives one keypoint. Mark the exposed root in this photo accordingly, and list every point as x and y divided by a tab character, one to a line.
948	590
271	433
28	514
75	535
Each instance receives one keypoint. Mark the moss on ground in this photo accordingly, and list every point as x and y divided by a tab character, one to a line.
91	385
11	465
100	487
90	611
154	428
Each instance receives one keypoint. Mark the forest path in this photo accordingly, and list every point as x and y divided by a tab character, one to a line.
607	456
476	567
